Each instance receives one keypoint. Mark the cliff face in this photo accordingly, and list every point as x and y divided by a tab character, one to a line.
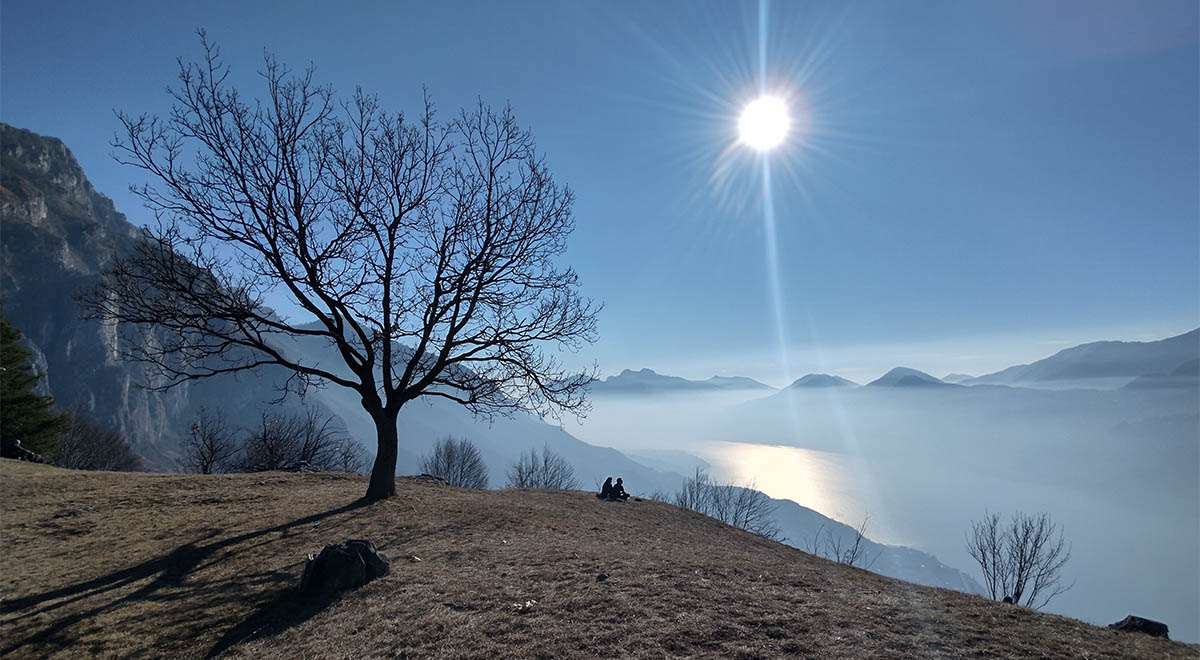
57	235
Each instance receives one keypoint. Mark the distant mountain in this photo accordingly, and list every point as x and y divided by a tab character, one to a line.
1104	364
648	381
822	380
956	378
905	377
1185	375
736	383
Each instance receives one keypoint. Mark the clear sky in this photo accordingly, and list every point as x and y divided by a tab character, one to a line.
971	184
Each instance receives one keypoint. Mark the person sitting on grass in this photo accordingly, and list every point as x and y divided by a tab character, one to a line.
606	490
618	493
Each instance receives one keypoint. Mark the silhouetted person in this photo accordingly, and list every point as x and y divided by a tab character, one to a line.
618	492
606	490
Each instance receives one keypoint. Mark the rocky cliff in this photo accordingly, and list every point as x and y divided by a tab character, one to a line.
57	234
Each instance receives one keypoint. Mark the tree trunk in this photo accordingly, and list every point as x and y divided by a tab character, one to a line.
383	475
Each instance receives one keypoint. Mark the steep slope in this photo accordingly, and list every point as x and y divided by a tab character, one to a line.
1185	375
58	235
191	566
801	526
1102	363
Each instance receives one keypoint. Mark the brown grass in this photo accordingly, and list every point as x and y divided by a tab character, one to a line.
106	565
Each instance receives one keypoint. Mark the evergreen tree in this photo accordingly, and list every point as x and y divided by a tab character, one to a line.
24	414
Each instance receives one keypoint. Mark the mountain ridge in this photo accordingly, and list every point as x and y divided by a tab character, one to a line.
647	380
907	377
1101	360
821	380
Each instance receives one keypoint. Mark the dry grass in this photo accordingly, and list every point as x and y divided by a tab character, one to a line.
140	565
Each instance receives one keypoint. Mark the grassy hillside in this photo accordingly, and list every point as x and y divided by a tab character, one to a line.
144	565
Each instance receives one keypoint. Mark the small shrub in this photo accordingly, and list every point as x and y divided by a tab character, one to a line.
86	445
307	442
740	506
458	462
544	469
211	446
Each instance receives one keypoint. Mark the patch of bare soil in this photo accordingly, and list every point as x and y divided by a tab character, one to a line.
138	565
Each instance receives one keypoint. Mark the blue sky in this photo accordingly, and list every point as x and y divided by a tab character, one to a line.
976	184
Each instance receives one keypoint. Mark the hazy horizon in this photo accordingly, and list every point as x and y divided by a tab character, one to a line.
974	356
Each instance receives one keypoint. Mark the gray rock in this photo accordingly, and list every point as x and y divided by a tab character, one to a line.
344	566
1133	623
376	563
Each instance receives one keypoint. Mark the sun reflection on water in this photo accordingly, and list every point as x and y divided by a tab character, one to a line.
826	482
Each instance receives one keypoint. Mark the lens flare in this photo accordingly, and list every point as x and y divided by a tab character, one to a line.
764	123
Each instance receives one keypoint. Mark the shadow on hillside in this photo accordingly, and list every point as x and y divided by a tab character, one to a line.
286	609
170	570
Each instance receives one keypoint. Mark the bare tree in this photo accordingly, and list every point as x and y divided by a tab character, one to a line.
659	495
544	469
850	550
696	494
1036	558
307	442
743	507
351	458
86	445
986	545
425	251
458	462
1023	560
210	446
272	445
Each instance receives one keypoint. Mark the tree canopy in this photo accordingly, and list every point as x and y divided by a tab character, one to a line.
25	415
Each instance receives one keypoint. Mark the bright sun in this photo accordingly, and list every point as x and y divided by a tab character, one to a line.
764	123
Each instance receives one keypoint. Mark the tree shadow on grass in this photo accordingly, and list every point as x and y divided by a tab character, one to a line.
288	608
169	570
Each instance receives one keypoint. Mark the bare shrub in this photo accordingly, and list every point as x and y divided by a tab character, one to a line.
740	506
306	442
1022	560
458	462
86	445
352	458
544	469
850	551
659	495
210	447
